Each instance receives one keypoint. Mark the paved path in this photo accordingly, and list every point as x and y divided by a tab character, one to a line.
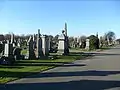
102	72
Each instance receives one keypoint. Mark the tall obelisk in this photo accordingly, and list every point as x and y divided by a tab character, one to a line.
65	29
66	39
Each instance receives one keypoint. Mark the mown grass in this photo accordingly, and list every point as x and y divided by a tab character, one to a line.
24	68
85	50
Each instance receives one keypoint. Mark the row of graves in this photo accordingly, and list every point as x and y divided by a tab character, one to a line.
9	51
38	46
78	43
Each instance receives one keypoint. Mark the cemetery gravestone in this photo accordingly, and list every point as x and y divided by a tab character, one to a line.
49	43
63	45
87	44
7	57
45	47
39	52
13	40
17	53
34	42
30	52
18	44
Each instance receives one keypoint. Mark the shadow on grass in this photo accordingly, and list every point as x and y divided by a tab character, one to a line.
68	85
58	74
103	54
80	73
28	61
76	56
5	66
49	64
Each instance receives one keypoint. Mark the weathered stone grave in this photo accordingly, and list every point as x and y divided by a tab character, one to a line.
50	44
13	40
7	57
38	51
63	45
17	53
30	52
45	45
87	44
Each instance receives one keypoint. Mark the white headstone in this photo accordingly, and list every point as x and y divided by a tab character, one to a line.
45	46
87	44
8	50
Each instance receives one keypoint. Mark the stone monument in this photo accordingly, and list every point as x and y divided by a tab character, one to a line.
13	40
87	44
30	52
17	53
7	57
38	51
45	45
63	45
49	43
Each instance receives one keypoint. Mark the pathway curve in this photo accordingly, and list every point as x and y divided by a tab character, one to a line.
101	72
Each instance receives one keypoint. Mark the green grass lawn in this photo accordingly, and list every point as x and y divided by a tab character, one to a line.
24	68
84	50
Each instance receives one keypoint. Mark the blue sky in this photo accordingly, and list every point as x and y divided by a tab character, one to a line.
82	17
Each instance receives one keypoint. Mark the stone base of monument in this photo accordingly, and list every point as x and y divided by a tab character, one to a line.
7	60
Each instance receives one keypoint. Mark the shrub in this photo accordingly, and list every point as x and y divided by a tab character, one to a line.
94	42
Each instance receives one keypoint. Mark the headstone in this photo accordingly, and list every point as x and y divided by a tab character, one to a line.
38	51
45	47
50	43
13	40
18	44
30	52
1	48
75	42
7	57
8	50
63	45
87	44
100	42
17	53
66	40
34	42
108	40
78	41
7	41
